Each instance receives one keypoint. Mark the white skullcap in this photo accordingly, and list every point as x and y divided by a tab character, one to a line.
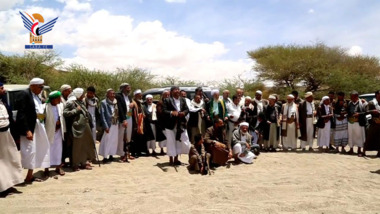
36	81
259	92
65	87
325	98
291	96
148	96
308	94
138	91
272	97
213	91
110	89
124	84
248	97
78	92
244	124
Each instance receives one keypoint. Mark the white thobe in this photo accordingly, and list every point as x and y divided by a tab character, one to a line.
325	133
109	142
235	111
56	145
35	153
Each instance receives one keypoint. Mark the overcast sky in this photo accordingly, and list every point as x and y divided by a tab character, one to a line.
192	39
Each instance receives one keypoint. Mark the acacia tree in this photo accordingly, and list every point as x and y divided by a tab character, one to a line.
317	67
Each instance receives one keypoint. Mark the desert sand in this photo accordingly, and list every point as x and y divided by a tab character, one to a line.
292	182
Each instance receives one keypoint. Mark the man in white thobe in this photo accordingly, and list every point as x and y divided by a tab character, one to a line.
34	143
177	139
55	129
325	114
234	114
109	120
307	113
289	124
125	105
10	160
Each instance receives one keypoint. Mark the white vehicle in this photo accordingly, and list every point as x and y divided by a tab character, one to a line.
14	90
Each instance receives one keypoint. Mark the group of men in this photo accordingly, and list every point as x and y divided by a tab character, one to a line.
210	130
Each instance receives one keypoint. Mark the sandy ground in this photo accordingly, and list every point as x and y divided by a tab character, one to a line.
293	182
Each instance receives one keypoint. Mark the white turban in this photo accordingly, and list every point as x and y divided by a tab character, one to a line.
36	81
324	98
259	92
65	87
213	91
248	97
272	97
148	96
290	96
78	92
138	91
308	94
244	124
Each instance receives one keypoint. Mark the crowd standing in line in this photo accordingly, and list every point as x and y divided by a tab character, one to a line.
211	131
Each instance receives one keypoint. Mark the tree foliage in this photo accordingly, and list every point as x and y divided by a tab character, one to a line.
316	67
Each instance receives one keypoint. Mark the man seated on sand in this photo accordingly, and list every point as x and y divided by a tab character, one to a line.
216	143
199	159
241	144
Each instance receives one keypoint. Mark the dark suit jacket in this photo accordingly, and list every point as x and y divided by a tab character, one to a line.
302	112
26	112
122	106
169	106
322	112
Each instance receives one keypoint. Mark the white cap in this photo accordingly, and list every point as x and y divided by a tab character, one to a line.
272	97
290	96
213	91
65	87
308	94
138	91
259	92
248	97
244	124
78	92
110	89
36	81
148	96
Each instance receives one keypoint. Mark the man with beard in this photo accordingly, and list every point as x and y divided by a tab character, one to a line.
234	116
160	125
289	124
197	121
10	163
92	105
241	144
67	144
150	131
34	143
356	123
307	113
175	110
325	122
124	104
216	143
272	115
109	120
138	142
83	142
